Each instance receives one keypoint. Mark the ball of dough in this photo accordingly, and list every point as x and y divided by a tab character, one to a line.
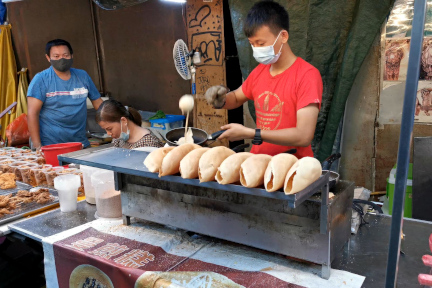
186	103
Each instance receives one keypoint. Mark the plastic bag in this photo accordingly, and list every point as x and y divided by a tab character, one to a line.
17	132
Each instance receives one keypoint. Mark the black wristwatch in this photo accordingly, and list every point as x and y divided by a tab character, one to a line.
257	140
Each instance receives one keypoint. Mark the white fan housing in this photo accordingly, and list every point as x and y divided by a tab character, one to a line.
182	59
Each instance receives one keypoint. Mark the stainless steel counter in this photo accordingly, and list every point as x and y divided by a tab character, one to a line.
54	222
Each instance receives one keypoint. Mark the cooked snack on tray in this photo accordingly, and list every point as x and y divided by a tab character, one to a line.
171	162
277	170
189	164
252	170
153	162
210	161
229	171
280	172
303	173
7	181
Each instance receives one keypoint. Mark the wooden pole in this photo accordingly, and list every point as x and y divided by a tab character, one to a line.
205	28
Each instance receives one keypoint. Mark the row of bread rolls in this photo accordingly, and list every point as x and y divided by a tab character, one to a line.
223	165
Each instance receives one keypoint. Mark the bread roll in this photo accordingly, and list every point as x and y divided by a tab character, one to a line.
171	162
229	171
189	164
210	162
277	170
153	161
303	173
252	170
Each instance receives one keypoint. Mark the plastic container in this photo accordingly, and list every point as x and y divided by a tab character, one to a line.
51	174
5	165
15	169
37	175
30	158
408	192
67	171
67	188
25	171
81	190
51	152
108	201
2	158
168	123
88	187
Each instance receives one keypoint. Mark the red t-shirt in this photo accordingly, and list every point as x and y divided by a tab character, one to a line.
278	98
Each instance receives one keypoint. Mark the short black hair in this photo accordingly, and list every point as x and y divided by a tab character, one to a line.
267	13
57	42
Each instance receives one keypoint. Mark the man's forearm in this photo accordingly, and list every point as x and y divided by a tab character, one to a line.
33	125
287	137
231	101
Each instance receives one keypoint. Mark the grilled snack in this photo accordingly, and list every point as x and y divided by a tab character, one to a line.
228	171
210	162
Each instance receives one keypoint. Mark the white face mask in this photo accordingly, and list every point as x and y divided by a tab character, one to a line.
266	55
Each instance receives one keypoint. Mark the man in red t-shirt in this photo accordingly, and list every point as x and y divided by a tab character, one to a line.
286	90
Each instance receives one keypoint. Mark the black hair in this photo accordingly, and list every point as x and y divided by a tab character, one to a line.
57	42
113	111
267	13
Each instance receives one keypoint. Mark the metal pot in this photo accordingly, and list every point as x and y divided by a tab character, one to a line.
200	136
334	177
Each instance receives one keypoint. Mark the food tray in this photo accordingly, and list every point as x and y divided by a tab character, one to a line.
26	209
124	161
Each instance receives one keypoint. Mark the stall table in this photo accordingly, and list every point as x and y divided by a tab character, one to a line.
365	253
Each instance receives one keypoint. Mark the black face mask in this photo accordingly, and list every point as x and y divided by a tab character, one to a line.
62	64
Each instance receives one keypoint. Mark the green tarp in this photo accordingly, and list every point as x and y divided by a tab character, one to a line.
334	36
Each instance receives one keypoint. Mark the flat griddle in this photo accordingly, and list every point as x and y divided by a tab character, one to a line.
26	209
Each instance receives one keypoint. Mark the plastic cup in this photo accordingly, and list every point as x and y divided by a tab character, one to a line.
5	165
88	187
67	188
51	174
68	171
2	158
30	158
108	200
81	191
39	174
15	169
25	171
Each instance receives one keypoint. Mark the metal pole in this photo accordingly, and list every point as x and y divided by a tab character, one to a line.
405	140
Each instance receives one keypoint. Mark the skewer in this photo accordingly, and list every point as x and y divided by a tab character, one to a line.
187	121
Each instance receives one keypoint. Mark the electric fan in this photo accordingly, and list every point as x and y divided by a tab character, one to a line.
184	62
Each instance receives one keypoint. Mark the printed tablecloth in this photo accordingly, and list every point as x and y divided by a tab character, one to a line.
147	255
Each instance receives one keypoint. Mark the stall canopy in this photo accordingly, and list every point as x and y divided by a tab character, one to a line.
8	76
334	36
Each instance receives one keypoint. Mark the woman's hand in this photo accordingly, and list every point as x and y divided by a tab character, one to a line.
237	132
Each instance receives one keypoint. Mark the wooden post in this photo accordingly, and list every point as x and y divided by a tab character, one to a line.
206	34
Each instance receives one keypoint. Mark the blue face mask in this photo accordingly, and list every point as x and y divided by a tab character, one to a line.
124	135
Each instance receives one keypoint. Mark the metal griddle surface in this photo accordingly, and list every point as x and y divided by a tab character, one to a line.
26	209
131	162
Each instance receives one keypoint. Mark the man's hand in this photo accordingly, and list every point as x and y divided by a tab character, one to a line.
216	96
237	132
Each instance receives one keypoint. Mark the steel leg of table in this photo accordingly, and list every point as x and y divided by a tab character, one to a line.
126	220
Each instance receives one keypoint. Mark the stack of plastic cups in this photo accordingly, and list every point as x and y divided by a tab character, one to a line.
67	188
